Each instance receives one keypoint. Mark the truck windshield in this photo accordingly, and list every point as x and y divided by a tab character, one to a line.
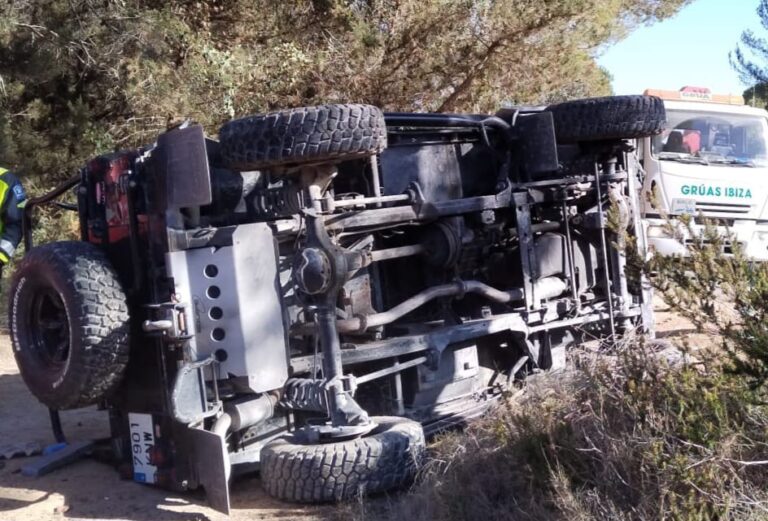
713	138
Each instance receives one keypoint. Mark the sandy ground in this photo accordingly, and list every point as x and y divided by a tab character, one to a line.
88	490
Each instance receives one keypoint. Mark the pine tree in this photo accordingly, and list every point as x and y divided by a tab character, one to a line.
750	58
80	77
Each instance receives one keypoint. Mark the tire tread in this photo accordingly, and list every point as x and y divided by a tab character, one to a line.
385	459
100	316
608	118
316	134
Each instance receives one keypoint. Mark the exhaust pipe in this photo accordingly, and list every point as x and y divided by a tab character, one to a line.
244	413
546	288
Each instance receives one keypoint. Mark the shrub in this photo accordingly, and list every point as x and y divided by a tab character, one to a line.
722	291
626	437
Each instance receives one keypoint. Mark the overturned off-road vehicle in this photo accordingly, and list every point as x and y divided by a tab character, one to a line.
314	292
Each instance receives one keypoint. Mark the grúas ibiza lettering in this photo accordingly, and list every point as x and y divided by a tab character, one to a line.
705	190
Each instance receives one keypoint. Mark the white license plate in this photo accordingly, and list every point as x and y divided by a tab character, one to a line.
683	207
142	445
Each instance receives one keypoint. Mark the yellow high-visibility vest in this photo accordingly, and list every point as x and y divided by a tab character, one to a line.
4	189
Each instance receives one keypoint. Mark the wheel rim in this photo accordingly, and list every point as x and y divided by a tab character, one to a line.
50	329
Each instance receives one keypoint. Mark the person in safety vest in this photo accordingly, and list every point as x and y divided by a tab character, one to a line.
12	200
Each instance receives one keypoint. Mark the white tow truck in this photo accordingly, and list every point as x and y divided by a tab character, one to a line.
710	162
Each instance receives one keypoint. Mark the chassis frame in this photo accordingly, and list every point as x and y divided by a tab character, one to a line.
187	403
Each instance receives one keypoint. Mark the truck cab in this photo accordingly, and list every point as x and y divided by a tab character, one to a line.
711	163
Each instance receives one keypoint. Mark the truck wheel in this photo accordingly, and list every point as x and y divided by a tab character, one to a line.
608	118
325	133
384	459
69	324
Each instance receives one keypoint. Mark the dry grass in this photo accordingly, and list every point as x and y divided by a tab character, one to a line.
620	437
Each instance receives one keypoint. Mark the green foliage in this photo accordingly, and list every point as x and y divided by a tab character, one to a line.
750	58
720	289
79	77
622	438
757	95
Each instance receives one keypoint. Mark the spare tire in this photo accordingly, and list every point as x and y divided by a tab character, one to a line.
321	134
69	324
608	118
386	458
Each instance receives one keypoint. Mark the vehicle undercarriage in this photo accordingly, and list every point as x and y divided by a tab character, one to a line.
321	287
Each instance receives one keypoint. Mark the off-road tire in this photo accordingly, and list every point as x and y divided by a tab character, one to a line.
608	118
321	134
386	458
90	319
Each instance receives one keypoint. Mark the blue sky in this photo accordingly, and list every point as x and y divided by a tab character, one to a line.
688	49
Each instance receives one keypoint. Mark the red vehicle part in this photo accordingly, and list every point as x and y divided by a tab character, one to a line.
108	209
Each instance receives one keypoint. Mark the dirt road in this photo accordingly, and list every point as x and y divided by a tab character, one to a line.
88	490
